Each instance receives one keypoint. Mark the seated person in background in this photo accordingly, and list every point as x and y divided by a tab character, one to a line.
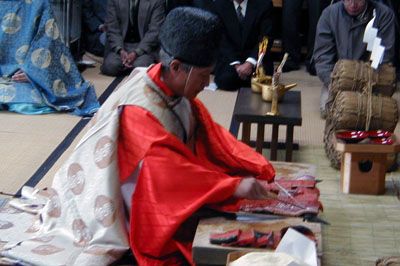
204	4
156	145
340	34
245	23
94	30
132	34
171	4
291	22
395	6
37	72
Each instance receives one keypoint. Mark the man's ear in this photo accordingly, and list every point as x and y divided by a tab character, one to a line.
175	65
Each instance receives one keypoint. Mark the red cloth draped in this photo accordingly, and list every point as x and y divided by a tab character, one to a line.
174	182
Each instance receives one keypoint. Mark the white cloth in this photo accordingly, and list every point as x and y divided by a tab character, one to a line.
83	220
80	220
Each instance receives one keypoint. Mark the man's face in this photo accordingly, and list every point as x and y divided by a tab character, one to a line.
196	79
354	7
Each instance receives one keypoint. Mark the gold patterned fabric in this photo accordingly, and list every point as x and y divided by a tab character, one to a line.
80	220
31	42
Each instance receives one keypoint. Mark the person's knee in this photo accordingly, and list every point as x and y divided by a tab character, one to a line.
108	70
144	61
227	81
111	66
226	84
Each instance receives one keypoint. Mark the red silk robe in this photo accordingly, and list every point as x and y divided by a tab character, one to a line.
174	182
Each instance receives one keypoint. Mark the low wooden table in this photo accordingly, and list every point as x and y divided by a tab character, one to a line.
250	108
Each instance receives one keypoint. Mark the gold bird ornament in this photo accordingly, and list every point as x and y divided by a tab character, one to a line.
274	92
262	83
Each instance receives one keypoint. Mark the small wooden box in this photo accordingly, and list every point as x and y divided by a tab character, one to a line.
363	167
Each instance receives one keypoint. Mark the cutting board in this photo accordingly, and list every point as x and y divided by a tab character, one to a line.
206	253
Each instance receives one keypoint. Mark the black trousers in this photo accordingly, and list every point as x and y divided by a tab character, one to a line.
291	13
227	78
112	64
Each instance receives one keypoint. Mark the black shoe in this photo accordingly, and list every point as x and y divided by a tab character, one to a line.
311	69
290	66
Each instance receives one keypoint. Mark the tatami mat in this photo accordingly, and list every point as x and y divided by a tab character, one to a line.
27	141
220	104
363	228
48	177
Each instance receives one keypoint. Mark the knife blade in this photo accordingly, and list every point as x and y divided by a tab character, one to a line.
314	219
294	201
248	216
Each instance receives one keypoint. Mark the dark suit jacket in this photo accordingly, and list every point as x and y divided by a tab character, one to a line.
94	13
171	4
151	15
239	44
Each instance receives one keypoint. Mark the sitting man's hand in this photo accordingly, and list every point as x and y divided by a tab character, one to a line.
244	70
20	76
103	27
250	188
130	59
124	56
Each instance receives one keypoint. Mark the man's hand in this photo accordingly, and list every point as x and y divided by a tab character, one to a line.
124	56
128	58
19	76
103	28
131	59
244	70
250	188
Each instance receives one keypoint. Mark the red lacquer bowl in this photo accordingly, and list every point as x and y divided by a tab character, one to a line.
352	136
379	134
382	141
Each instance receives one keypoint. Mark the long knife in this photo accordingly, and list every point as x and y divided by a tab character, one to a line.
239	216
314	219
249	216
254	217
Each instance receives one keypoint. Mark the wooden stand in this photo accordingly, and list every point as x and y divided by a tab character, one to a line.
250	109
363	167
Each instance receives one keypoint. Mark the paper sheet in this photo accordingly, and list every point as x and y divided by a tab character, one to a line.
260	58
369	37
299	247
377	53
370	34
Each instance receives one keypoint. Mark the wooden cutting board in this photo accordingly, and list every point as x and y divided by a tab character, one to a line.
206	253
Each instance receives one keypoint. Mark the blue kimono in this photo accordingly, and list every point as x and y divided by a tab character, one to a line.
30	40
